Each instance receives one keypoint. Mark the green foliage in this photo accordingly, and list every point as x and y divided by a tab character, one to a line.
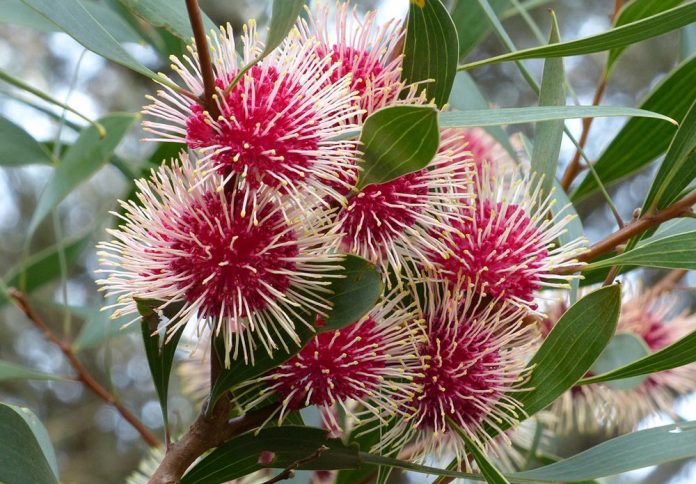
622	349
396	141
431	51
673	252
168	14
25	452
286	446
18	148
13	371
624	35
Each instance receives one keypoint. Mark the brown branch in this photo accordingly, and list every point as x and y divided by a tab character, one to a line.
289	471
668	282
83	374
637	227
207	432
209	90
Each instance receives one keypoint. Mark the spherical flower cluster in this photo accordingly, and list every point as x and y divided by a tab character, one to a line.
602	408
248	232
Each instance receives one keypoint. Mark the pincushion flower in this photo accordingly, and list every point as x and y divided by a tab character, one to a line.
505	247
241	264
277	126
473	361
371	363
401	221
601	408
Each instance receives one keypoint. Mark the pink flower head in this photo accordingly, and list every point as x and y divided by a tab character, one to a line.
400	221
278	126
505	245
475	356
371	363
240	263
365	50
602	408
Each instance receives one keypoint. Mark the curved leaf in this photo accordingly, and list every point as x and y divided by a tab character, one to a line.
22	455
397	140
18	148
673	252
622	349
677	354
13	371
633	451
89	153
631	149
618	37
287	446
431	51
168	14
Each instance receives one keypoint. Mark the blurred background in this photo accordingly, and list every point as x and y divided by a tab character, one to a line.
92	441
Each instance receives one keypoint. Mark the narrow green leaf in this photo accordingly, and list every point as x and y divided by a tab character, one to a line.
622	349
168	14
353	297
549	134
621	454
18	148
673	252
398	140
75	20
677	354
22	455
489	471
678	169
583	331
431	50
284	446
631	150
43	266
502	116
631	33
159	347
633	11
13	371
89	153
99	328
283	17
380	460
466	95
563	209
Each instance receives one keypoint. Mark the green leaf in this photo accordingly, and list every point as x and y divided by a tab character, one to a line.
465	96
13	371
168	14
496	117
18	148
431	50
24	456
622	349
492	475
159	347
397	140
677	354
562	209
621	454
583	332
283	17
380	460
637	10
631	33
631	149
99	328
549	134
43	266
678	169
354	296
75	20
673	252
81	161
287	446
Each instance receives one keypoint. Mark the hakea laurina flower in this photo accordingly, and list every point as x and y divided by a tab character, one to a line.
600	408
372	363
367	51
400	221
241	263
277	126
473	361
505	245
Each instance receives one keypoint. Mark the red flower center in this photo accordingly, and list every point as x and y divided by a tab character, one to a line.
266	128
228	261
362	65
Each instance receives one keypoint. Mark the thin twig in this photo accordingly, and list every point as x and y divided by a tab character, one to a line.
209	90
83	374
667	283
289	471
